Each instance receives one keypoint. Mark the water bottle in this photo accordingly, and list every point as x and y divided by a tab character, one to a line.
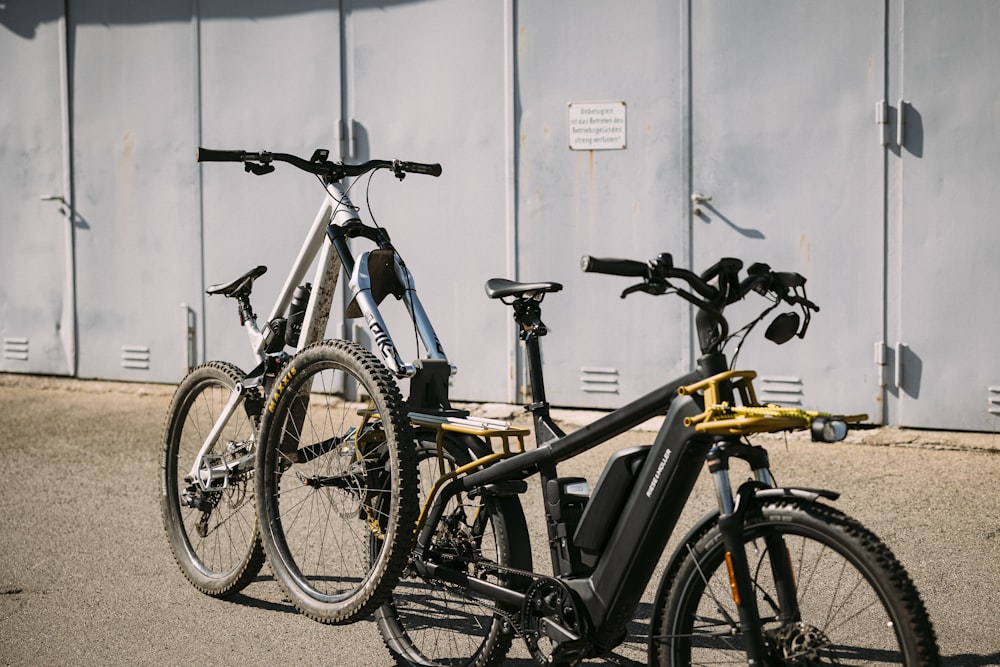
296	312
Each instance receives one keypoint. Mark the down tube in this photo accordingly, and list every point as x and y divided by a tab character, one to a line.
612	592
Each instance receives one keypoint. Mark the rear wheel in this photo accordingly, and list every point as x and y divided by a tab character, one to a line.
855	603
431	622
210	517
336	482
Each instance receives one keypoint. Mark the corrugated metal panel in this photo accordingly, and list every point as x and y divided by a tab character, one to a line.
946	239
270	78
138	233
783	142
614	201
36	297
429	81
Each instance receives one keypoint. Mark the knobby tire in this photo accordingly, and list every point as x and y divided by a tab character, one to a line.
336	482
216	543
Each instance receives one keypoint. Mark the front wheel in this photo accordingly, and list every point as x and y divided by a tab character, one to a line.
336	482
855	603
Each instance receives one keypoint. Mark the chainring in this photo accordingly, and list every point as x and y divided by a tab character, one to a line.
553	624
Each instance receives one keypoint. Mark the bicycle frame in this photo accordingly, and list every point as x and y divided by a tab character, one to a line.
611	590
336	221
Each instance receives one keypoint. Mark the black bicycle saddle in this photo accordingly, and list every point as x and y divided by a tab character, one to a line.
498	288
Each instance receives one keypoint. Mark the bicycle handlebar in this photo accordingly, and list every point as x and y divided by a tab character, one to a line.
614	267
654	273
260	163
212	155
657	272
710	299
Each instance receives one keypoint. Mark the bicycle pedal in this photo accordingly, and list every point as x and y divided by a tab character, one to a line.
195	500
570	652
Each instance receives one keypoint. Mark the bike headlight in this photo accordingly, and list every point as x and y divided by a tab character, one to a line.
828	429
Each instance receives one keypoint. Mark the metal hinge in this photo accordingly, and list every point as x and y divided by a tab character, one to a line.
882	121
880	353
881	360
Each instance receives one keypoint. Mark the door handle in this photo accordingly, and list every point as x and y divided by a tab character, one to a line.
698	199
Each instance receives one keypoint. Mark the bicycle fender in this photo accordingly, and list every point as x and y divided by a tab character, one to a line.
705	524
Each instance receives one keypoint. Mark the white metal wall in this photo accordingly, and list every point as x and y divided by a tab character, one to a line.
783	141
138	233
944	230
36	291
269	78
770	110
430	82
624	201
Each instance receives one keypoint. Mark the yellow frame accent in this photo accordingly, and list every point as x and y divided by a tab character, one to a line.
721	418
468	428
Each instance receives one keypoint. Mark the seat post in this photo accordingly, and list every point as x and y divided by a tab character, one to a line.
528	314
525	299
534	355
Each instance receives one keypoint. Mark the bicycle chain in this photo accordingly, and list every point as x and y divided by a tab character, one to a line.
512	619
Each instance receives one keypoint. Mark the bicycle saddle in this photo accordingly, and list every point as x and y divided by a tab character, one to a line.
239	286
497	288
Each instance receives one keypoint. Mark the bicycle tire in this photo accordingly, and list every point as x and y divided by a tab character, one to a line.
336	482
430	623
857	603
213	534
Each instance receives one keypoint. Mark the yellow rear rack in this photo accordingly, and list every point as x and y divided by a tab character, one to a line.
475	426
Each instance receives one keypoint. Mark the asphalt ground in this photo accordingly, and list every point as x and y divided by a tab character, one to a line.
87	578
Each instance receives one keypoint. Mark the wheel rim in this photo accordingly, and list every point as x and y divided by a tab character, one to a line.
843	620
218	542
326	508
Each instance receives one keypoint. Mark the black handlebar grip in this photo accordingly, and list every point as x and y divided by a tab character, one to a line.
614	267
421	168
212	155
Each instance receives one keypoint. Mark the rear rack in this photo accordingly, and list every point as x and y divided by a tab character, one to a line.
475	426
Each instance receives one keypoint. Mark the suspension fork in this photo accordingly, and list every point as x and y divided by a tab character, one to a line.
733	509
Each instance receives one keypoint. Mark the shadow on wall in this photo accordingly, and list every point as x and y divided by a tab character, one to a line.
906	368
745	231
911	135
23	18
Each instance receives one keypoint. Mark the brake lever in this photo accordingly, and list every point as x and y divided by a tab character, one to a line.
655	290
258	169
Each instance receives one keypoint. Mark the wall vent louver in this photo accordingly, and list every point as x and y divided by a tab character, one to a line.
780	390
135	357
15	348
599	380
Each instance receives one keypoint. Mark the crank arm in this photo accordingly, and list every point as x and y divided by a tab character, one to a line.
324	481
314	451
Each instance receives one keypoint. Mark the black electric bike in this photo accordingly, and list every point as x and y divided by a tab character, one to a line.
773	576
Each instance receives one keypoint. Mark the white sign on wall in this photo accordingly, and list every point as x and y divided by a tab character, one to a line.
596	126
